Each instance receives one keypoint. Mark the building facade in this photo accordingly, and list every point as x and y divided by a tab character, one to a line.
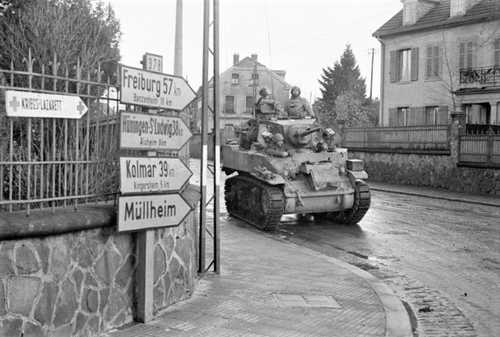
240	85
441	58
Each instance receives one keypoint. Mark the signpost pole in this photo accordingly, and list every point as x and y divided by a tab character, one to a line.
145	269
204	137
217	138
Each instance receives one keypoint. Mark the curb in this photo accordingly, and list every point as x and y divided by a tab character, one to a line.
397	321
424	195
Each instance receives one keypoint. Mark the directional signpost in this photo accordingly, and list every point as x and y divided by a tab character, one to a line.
146	174
151	187
34	104
157	90
152	132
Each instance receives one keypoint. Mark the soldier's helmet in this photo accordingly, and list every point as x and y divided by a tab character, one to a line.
296	90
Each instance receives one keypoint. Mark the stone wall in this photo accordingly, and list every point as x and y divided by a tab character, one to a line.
82	283
439	171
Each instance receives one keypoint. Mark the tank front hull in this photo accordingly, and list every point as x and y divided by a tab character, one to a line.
318	202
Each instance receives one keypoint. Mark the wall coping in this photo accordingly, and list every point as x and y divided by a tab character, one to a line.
19	225
429	152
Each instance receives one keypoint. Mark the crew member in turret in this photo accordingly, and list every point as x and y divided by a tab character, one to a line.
297	107
266	107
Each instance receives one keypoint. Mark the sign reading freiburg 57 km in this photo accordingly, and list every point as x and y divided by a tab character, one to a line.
34	104
147	88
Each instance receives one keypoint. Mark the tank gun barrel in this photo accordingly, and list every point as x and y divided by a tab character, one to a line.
308	131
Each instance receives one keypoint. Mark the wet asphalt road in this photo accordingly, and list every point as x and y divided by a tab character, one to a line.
442	257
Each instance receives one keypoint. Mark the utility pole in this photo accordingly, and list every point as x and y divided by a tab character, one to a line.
372	52
254	86
178	39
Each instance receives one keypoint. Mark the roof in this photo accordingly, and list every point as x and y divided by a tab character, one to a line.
439	17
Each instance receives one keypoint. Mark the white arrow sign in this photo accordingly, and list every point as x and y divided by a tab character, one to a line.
144	174
147	88
152	132
151	211
33	104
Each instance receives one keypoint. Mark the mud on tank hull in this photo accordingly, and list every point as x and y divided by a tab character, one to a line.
308	182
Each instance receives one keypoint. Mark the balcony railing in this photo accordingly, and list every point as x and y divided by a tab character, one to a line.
432	138
484	76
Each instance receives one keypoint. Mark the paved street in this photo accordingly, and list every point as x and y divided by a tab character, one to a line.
441	257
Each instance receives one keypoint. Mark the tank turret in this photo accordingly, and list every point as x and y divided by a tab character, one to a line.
292	166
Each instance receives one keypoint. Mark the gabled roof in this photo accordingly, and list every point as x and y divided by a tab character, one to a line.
439	17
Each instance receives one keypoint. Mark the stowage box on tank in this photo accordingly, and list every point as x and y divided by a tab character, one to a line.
291	166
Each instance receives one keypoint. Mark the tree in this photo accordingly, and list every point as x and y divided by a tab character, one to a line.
344	76
349	108
71	29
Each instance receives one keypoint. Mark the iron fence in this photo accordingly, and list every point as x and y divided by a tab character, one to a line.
482	150
411	138
49	162
488	76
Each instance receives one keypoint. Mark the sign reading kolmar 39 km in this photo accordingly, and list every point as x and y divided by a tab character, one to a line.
147	88
151	211
147	174
152	132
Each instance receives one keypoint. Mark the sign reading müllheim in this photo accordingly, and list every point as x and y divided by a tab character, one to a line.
151	211
147	174
148	88
152	132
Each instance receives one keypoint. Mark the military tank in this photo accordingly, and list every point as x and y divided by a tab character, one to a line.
291	166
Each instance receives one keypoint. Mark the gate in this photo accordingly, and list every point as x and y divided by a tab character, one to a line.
58	162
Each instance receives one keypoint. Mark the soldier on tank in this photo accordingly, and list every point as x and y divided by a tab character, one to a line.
266	107
297	107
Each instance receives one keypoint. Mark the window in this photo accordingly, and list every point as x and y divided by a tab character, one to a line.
255	79
402	116
433	62
467	54
497	52
235	79
431	115
404	65
249	104
229	105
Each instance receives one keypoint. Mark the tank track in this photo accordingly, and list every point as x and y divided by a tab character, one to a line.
254	201
361	205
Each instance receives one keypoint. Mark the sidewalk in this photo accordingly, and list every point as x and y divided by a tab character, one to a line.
269	287
436	193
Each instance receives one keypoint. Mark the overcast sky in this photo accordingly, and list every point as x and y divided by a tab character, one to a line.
301	37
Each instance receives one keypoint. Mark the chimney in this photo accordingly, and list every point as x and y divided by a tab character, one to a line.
236	59
414	10
460	7
254	57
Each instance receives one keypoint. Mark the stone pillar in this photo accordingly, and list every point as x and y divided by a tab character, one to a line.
457	128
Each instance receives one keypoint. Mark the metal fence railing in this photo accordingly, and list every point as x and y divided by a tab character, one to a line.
50	162
480	149
421	138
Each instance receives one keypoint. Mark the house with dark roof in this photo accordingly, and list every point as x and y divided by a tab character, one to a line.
441	57
240	85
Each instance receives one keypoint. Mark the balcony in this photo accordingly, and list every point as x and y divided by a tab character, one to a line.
480	77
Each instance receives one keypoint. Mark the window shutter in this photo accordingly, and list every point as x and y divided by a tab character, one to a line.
394	69
440	61
497	52
443	115
393	117
428	65
461	63
414	64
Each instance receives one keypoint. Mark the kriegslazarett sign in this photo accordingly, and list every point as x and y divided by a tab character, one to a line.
147	174
35	104
152	132
147	88
151	211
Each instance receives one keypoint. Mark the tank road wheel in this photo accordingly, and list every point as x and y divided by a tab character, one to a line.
255	202
360	207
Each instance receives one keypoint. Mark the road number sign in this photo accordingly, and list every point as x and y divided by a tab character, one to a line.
152	132
34	104
145	175
147	88
151	211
